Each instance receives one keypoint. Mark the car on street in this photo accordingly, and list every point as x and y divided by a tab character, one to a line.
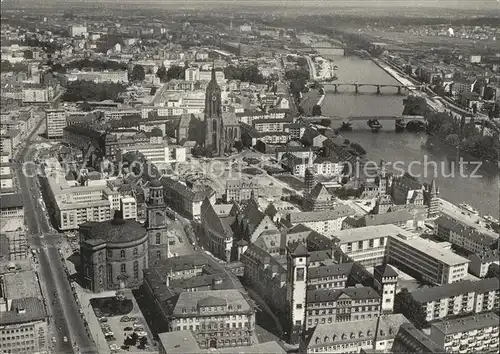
125	319
114	347
54	340
142	334
128	328
103	319
65	339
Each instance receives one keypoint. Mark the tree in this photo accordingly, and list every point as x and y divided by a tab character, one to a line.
316	110
358	148
28	54
153	91
6	66
138	73
238	145
162	73
175	72
85	106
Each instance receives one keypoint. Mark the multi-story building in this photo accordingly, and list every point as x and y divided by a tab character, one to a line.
411	340
366	245
99	76
192	74
11	206
6	178
73	205
55	122
327	222
37	94
401	218
370	334
77	30
206	75
320	197
13	243
10	141
120	113
464	236
267	275
157	152
114	254
23	320
429	260
480	262
329	276
217	318
128	207
240	190
465	297
185	199
341	305
472	334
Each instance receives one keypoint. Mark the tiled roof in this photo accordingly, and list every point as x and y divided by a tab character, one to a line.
189	301
222	226
465	324
386	271
485	257
329	295
298	249
454	289
11	200
330	270
23	310
339	211
380	219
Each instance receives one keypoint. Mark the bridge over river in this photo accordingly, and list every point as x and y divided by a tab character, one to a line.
333	87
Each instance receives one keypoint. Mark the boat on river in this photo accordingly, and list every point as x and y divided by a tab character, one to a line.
468	208
346	127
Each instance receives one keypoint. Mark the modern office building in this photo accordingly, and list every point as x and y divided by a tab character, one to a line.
471	334
429	260
157	153
55	121
128	207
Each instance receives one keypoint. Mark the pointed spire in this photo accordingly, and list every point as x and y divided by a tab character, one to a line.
214	79
433	188
252	194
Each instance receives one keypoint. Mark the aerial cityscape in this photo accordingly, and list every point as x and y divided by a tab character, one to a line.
250	177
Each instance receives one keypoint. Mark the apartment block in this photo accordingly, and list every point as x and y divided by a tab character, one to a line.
157	153
239	190
465	297
327	222
55	121
128	207
471	334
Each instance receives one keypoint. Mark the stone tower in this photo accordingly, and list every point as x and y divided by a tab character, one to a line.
213	116
433	200
156	222
385	282
297	272
308	182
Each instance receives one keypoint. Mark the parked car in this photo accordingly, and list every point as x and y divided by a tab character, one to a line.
128	328
103	319
142	334
125	319
54	340
65	339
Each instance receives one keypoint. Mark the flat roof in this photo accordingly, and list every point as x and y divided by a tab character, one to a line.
432	249
367	233
465	324
179	342
20	285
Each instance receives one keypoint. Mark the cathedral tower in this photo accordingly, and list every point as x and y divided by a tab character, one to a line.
156	222
213	116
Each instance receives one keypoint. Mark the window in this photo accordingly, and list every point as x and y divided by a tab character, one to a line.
110	253
158	238
122	254
298	306
123	268
135	251
158	254
136	269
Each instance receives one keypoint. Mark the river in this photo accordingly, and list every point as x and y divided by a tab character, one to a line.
481	189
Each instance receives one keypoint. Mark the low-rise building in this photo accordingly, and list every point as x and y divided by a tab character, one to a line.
411	340
10	141
156	152
476	334
401	218
375	334
11	206
326	222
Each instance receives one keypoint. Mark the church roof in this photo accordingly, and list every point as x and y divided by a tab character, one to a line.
298	249
222	227
230	119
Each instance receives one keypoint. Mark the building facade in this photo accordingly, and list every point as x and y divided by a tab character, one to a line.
55	123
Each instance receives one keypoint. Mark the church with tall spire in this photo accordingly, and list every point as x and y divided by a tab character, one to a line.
222	129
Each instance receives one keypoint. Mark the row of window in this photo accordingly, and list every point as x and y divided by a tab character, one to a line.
343	310
340	319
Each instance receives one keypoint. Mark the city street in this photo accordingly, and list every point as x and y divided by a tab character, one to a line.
64	313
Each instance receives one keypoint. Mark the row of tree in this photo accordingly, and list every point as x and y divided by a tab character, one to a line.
81	90
95	64
244	73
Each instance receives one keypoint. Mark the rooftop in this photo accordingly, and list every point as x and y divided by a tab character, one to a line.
232	300
465	324
23	310
367	233
330	270
339	211
11	200
20	285
116	230
329	295
431	249
453	289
